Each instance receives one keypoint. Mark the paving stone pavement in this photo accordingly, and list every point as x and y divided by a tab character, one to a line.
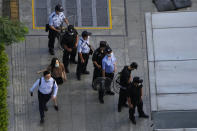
78	103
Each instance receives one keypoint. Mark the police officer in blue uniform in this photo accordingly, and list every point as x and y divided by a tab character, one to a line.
83	49
55	20
125	80
70	42
108	70
134	96
98	55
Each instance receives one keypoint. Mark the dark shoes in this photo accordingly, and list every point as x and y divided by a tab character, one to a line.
143	116
42	120
101	101
86	72
78	77
133	120
56	107
45	109
110	93
119	109
51	51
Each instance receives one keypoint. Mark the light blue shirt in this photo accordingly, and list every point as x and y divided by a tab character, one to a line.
83	46
55	19
108	63
45	87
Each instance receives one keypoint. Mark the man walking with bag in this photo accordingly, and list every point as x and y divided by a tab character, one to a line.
47	88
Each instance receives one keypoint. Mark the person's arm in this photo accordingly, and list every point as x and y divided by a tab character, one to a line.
66	47
38	72
129	102
77	40
55	90
53	28
130	79
36	84
141	92
63	72
103	67
81	57
115	67
66	21
97	65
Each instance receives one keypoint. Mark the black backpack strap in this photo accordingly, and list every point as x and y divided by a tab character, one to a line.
40	81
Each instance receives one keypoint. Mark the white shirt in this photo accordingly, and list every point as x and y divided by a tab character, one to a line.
83	46
55	19
45	87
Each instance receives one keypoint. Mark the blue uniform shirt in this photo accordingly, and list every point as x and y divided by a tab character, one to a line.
108	63
55	19
83	46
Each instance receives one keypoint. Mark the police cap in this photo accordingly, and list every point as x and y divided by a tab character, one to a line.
108	50
85	34
59	8
137	79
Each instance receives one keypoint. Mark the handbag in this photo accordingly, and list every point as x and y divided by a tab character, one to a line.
59	80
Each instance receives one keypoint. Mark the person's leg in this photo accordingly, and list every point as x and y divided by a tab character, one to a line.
41	106
120	100
66	60
51	41
86	56
79	68
73	55
140	110
101	95
108	84
131	114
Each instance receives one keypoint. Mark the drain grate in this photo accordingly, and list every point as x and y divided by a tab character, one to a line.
81	13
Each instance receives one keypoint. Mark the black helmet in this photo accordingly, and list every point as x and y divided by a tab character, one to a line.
137	79
134	65
71	29
103	43
59	8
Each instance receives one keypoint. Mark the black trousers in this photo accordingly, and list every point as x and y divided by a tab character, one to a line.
43	99
139	108
69	56
81	67
97	73
51	36
122	97
102	91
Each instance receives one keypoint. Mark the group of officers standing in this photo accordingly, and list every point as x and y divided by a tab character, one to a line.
103	60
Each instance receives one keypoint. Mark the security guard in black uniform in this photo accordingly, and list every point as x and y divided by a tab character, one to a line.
69	42
135	99
98	55
125	80
55	20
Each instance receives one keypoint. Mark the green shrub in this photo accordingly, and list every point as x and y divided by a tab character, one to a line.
10	32
3	90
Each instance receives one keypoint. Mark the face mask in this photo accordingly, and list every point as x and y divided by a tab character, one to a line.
46	80
56	65
109	55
